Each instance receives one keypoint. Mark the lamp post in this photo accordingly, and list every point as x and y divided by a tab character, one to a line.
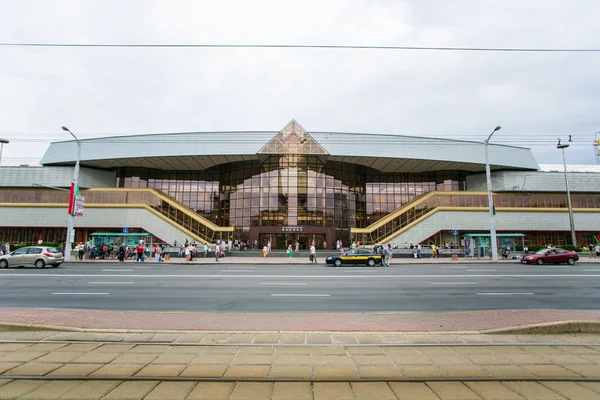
571	222
2	142
75	183
488	176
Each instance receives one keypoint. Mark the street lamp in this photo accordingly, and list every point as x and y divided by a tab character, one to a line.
488	176
571	222
75	184
2	141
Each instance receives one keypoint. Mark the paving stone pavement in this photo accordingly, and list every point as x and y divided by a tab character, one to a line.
310	356
151	390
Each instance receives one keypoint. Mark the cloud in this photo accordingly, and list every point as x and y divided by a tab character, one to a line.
96	92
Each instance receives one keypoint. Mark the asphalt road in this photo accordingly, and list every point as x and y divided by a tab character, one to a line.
227	287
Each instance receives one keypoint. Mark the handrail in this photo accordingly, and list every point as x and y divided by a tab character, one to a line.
158	203
413	212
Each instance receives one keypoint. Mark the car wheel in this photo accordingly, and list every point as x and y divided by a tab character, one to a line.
570	261
371	262
539	261
55	265
40	263
337	263
3	264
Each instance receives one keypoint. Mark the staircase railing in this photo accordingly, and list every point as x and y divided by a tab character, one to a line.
412	213
184	218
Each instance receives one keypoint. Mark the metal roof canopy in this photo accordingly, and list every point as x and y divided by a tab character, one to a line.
121	234
497	234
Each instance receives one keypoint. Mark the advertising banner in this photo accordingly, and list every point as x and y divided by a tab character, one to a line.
78	204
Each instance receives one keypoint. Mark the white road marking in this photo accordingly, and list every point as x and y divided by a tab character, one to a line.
591	269
117	270
299	295
455	267
454	283
80	294
110	283
59	275
480	270
236	270
504	294
284	283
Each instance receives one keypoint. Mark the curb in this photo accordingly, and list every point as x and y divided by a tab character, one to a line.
550	328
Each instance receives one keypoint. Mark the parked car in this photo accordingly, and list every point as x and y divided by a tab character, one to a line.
356	256
551	256
38	256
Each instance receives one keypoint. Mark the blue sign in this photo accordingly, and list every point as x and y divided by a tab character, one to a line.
125	230
455	232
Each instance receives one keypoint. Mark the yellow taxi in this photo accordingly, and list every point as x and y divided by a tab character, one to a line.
355	256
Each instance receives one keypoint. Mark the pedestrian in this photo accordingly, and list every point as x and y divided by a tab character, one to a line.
290	252
140	252
406	245
269	246
121	255
180	254
414	252
419	251
297	246
313	252
217	250
433	251
80	251
598	251
187	252
265	251
525	249
205	249
386	256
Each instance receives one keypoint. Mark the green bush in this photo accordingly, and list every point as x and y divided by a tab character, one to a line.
572	248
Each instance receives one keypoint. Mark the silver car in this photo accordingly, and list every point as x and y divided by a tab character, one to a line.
38	256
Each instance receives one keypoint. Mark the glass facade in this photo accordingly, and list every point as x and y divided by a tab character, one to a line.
291	190
206	231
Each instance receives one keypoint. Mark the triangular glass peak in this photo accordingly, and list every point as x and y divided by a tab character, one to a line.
293	139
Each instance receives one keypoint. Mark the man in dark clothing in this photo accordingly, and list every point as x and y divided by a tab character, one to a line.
121	254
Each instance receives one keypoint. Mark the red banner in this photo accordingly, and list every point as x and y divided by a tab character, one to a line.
71	198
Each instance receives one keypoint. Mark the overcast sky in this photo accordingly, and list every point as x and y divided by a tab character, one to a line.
536	97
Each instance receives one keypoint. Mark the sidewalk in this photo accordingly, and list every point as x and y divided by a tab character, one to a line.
404	322
301	260
193	366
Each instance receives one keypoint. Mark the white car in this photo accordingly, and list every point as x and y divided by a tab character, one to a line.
37	256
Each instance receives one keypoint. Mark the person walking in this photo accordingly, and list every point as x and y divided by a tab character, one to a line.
121	254
269	246
265	251
217	251
290	252
187	252
419	255
205	250
140	252
313	253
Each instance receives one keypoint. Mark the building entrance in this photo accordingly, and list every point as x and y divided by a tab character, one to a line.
280	241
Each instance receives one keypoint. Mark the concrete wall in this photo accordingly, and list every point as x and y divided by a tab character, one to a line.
116	218
54	176
536	181
515	222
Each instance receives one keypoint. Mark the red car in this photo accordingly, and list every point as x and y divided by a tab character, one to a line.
551	256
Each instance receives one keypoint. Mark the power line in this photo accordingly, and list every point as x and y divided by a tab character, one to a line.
303	46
